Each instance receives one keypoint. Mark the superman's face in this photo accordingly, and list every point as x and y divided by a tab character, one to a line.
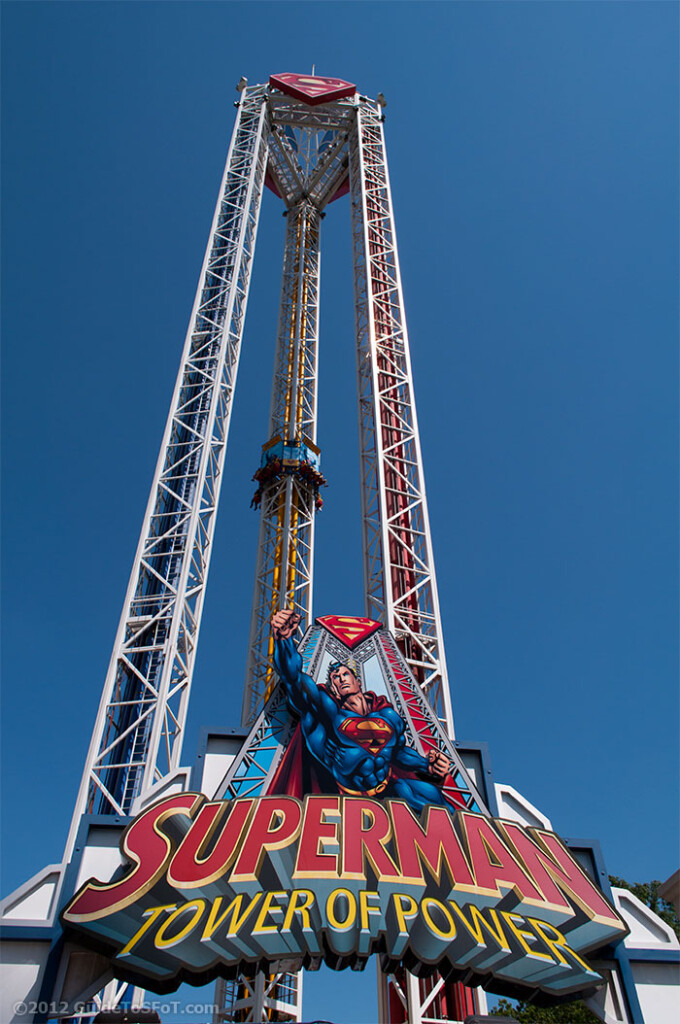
344	682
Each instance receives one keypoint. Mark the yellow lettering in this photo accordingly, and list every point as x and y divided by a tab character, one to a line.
265	909
557	944
431	923
213	922
365	908
522	935
153	913
300	901
238	917
477	921
197	906
333	920
405	907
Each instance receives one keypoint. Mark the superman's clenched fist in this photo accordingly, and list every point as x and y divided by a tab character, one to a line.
439	764
285	623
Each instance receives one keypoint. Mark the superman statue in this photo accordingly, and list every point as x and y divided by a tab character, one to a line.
355	737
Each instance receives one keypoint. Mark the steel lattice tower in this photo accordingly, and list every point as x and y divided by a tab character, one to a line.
288	477
311	140
138	734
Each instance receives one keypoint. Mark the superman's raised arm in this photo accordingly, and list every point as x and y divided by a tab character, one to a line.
302	692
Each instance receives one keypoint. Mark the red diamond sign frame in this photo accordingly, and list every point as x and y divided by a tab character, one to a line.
350	630
312	89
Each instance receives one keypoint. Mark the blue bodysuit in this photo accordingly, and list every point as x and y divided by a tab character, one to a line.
360	751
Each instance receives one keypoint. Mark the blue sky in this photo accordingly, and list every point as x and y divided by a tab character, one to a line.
533	155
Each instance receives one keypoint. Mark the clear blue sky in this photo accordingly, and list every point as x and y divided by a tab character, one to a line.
533	154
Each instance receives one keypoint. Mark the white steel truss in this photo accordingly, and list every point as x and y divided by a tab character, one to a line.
308	156
263	997
399	576
294	389
139	729
406	999
288	490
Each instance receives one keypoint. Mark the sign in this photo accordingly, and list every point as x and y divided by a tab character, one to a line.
312	89
214	885
365	837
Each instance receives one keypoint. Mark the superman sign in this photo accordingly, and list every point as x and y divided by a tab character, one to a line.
346	827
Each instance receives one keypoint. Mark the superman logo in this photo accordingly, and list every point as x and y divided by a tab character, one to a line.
370	733
349	629
312	89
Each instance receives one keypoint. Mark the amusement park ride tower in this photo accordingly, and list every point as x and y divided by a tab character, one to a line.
311	140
